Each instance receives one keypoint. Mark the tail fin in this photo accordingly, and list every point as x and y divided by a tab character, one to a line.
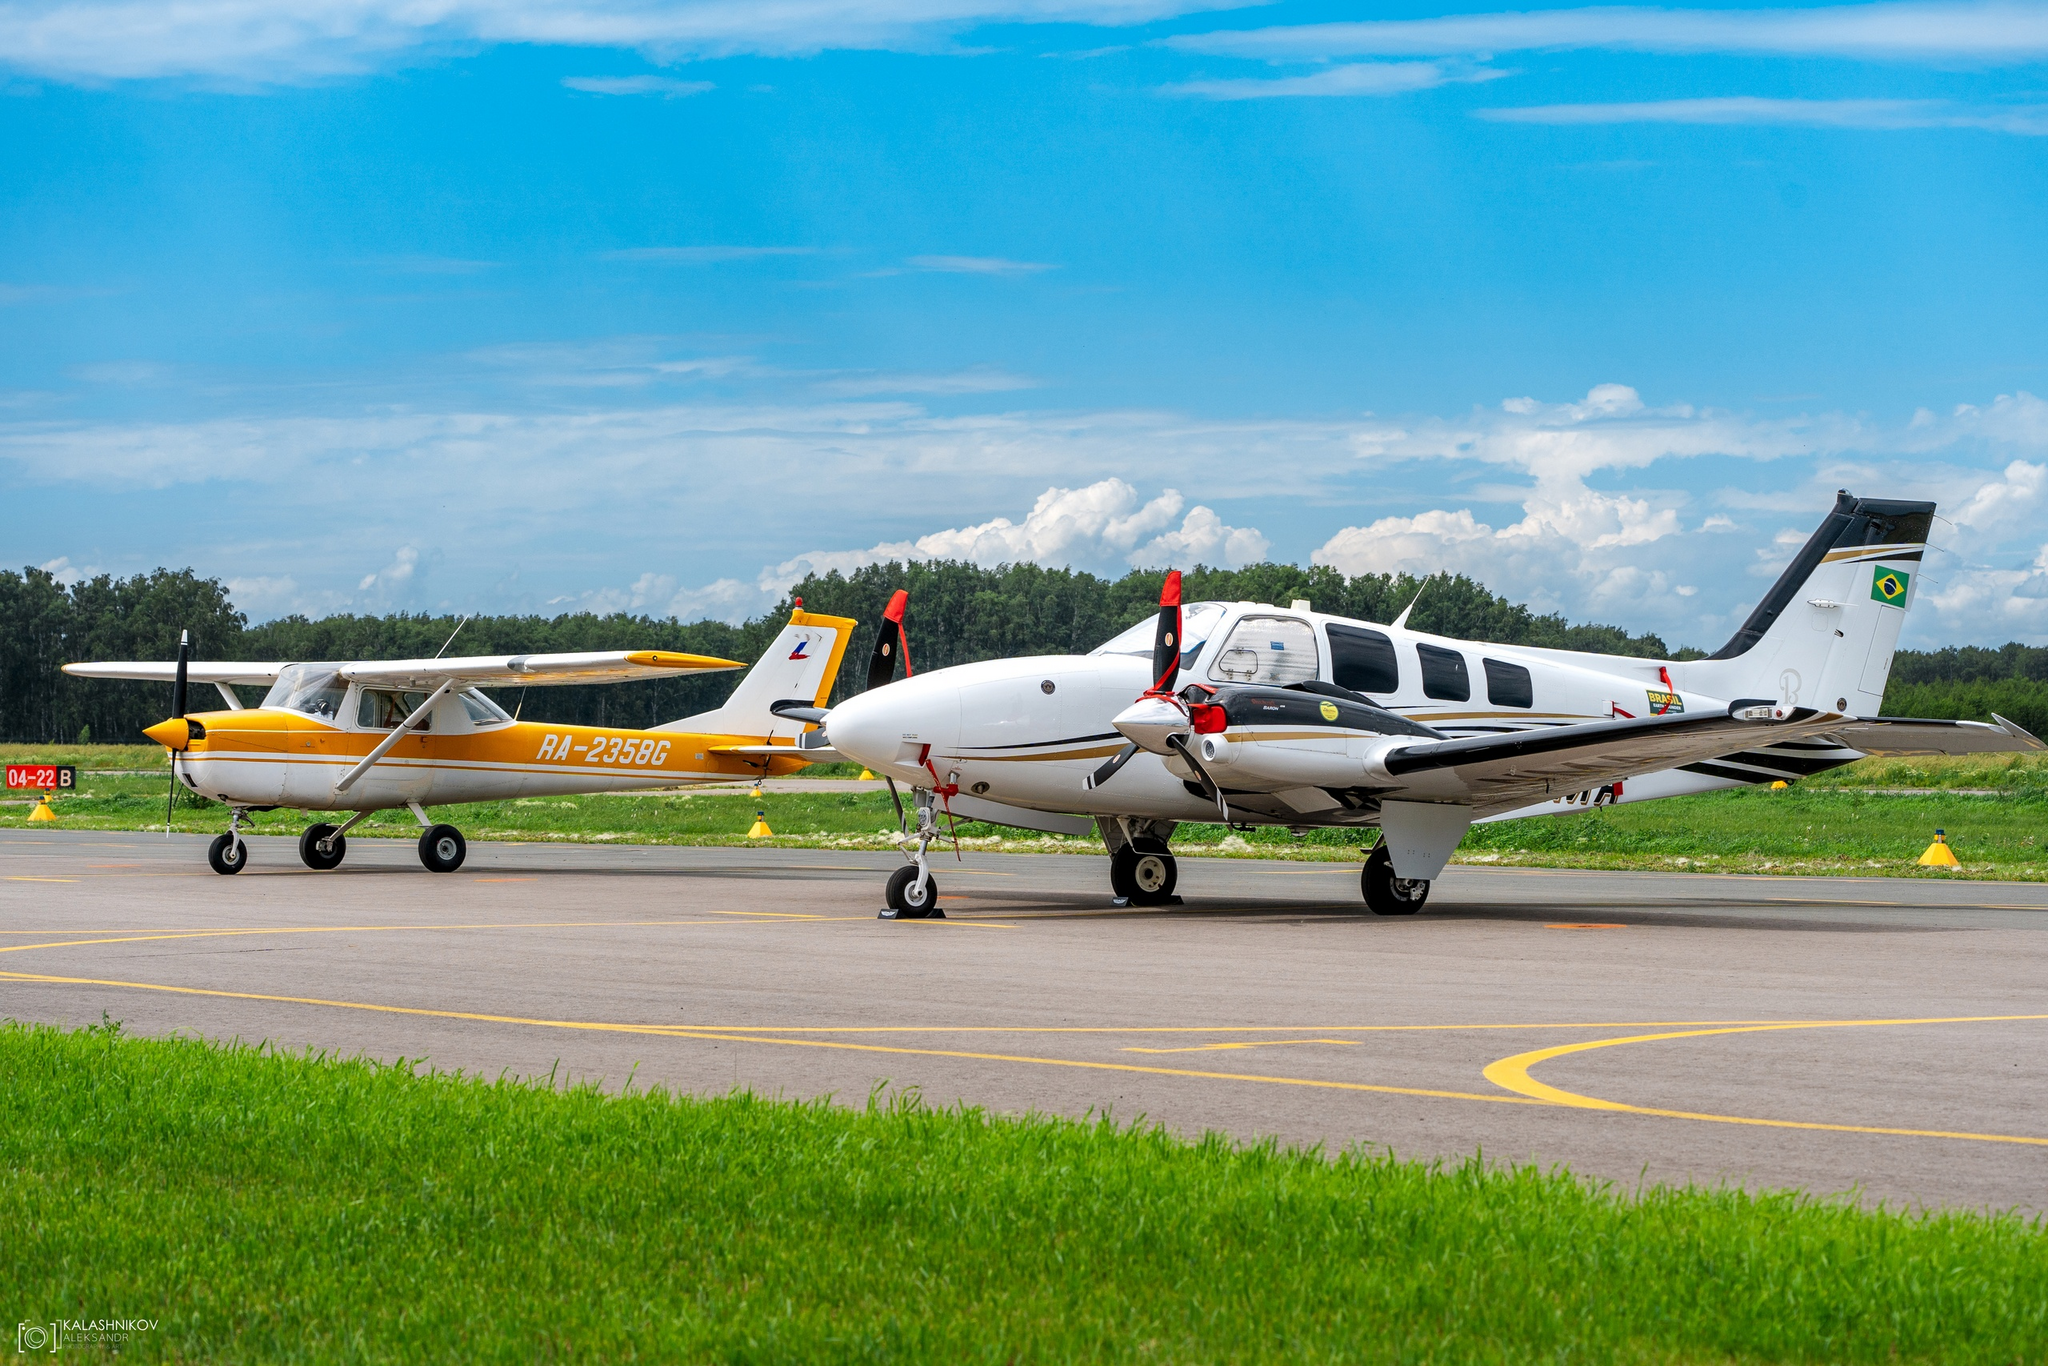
1823	636
798	667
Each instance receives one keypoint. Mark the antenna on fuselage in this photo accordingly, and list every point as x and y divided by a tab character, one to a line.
1400	623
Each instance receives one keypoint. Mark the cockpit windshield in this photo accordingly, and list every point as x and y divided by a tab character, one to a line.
1197	620
315	689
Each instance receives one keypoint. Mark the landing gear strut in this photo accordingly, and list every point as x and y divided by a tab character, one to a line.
323	846
1386	893
913	895
229	853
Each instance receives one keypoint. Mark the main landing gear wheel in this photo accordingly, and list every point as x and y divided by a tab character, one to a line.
1143	876
309	848
1386	894
442	849
911	899
227	854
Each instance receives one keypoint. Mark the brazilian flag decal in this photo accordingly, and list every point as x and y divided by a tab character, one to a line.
1890	586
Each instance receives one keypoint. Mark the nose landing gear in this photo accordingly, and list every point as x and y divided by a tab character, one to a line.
913	895
229	853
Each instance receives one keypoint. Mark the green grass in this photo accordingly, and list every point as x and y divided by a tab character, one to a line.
1833	824
265	1206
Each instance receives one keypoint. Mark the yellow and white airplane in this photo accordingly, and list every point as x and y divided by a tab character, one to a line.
374	735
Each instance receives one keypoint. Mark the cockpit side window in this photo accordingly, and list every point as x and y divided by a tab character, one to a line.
1363	661
1197	620
1272	650
381	710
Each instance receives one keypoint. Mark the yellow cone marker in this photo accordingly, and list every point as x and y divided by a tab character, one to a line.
42	811
865	776
757	788
760	830
1939	855
1780	785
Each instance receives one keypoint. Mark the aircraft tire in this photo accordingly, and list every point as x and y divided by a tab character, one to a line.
1143	875
907	899
442	848
227	854
1386	894
309	848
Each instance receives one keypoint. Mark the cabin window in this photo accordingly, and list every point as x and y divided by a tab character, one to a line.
1443	674
482	711
1363	661
380	710
1271	650
1508	685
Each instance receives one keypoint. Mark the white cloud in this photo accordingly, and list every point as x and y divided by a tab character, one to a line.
979	265
1355	78
978	381
122	372
2026	120
254	43
708	255
393	575
1981	31
263	596
665	86
2011	500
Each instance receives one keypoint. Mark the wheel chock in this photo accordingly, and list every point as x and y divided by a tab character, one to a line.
1939	855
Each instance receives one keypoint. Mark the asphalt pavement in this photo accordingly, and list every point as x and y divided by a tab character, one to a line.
1882	1037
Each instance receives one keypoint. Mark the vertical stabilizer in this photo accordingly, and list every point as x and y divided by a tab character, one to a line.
799	666
1823	636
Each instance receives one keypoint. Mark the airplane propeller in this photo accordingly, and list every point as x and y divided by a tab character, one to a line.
890	641
177	714
1166	646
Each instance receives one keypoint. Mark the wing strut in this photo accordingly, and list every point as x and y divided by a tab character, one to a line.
348	779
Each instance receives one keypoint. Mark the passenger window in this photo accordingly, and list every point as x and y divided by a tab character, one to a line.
1443	674
1508	685
1272	650
385	710
1363	661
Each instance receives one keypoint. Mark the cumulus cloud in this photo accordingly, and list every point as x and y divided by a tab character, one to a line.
394	575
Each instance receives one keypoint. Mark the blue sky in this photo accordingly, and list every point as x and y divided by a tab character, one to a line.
480	306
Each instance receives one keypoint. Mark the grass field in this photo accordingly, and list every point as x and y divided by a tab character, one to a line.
1871	818
273	1207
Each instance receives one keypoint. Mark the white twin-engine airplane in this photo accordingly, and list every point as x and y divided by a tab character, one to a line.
1251	714
379	734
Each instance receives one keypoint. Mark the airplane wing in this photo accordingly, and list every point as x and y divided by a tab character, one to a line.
538	671
165	671
1912	735
1501	772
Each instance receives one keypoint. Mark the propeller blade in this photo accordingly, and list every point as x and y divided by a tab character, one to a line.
1109	769
890	641
1166	642
177	711
178	681
1210	787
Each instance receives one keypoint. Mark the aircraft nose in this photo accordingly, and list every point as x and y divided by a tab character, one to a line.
174	734
884	730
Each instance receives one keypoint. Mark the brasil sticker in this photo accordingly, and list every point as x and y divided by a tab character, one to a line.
1665	703
1890	586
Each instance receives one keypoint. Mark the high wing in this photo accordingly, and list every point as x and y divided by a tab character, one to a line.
1913	735
537	671
1494	773
165	671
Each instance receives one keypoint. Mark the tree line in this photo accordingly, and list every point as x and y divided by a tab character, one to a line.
959	612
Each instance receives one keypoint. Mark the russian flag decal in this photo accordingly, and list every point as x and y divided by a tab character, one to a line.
798	652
